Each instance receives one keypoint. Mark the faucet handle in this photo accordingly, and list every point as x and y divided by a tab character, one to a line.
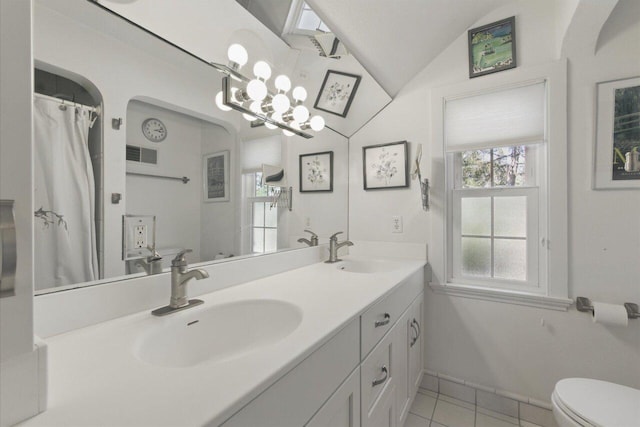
334	236
311	232
180	260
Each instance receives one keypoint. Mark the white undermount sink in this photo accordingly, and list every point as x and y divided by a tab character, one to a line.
217	332
367	266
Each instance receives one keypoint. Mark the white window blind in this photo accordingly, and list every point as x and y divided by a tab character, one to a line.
505	117
259	151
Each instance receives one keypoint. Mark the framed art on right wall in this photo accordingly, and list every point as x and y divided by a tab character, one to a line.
617	145
492	47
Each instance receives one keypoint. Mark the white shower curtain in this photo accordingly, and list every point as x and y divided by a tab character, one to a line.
64	195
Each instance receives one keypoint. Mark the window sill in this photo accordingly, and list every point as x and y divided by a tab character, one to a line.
504	296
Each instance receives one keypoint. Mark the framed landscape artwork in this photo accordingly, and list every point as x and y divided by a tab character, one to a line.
337	92
316	172
492	47
385	166
617	148
215	169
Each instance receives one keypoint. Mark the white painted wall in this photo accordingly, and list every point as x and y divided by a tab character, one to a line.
22	370
497	344
219	221
183	218
175	205
323	213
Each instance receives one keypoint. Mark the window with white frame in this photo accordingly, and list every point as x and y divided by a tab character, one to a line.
262	213
495	146
309	21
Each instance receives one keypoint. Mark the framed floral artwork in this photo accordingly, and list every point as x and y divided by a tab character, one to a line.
337	92
385	166
316	172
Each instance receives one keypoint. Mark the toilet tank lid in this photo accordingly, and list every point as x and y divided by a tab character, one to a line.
600	402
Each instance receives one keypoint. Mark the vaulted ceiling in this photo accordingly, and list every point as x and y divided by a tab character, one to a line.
394	40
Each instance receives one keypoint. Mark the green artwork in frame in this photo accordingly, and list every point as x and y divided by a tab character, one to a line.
492	47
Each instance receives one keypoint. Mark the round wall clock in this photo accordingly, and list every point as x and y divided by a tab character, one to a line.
154	130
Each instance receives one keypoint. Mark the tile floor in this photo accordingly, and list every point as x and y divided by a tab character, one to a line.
431	409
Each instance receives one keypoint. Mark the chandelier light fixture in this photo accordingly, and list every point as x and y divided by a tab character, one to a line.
257	103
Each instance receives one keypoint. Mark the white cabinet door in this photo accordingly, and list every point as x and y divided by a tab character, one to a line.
407	357
416	344
400	361
343	407
384	411
378	383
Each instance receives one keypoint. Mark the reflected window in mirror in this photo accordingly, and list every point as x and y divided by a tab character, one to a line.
263	214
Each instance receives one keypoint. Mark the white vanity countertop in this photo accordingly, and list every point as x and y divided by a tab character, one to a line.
95	378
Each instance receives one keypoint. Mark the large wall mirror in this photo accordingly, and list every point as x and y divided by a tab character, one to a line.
127	130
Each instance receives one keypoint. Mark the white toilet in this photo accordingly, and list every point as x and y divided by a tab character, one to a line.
588	402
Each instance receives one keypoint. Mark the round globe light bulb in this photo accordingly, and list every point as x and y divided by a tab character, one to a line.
262	70
248	117
238	54
283	83
220	104
233	95
317	123
256	107
281	103
299	93
287	133
277	117
300	113
257	90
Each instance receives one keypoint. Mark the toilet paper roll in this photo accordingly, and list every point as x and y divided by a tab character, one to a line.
610	314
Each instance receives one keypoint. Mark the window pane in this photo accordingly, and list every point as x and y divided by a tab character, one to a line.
510	259
249	187
258	214
476	256
261	190
476	216
258	240
271	216
476	169
508	166
308	20
270	240
510	216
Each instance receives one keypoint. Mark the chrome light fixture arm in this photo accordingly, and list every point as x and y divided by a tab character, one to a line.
226	100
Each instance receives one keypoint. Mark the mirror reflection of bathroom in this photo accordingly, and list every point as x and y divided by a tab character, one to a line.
67	176
153	130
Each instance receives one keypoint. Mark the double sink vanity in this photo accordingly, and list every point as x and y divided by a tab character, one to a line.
319	345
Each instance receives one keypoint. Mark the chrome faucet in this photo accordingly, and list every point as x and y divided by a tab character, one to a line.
334	246
151	264
312	242
179	278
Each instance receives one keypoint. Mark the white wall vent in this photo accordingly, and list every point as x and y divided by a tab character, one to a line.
142	155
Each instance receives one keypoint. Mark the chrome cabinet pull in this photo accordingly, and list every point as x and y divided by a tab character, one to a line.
9	251
414	338
383	379
387	319
416	327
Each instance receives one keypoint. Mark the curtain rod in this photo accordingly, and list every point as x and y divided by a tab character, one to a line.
96	110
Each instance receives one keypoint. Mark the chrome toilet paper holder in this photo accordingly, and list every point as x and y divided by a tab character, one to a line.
584	304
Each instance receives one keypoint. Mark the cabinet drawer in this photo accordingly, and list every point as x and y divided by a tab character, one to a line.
294	398
380	318
376	374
